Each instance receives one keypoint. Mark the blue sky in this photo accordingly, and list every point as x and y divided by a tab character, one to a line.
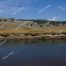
33	9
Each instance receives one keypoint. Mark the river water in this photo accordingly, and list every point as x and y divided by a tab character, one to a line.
33	53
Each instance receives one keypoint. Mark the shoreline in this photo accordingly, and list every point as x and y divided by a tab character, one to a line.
45	37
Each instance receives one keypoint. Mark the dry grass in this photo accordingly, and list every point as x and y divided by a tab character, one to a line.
33	31
10	28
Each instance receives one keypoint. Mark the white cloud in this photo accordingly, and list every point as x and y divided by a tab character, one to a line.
46	7
53	19
18	10
61	7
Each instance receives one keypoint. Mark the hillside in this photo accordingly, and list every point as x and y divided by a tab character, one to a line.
21	27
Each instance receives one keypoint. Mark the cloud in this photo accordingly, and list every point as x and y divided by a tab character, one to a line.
18	10
53	19
61	7
46	7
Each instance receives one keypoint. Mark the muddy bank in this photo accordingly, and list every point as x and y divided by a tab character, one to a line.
45	37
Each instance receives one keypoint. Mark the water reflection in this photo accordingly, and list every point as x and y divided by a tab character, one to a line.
33	53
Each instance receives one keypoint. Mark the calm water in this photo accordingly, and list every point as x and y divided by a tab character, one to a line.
33	53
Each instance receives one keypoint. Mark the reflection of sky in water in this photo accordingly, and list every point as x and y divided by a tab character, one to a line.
30	53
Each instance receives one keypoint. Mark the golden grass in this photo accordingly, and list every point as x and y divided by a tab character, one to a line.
31	30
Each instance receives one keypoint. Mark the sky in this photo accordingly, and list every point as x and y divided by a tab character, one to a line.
33	9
